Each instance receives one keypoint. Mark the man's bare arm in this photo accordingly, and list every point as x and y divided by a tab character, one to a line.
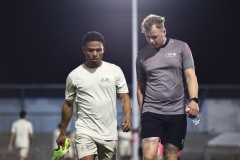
127	109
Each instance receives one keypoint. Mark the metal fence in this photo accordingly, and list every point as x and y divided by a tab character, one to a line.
219	109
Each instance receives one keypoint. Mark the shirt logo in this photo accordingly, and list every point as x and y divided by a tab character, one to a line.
87	147
79	82
106	80
170	54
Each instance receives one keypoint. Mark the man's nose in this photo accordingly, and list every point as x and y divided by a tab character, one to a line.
151	40
94	53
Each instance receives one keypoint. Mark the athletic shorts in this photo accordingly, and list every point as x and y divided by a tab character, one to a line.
170	128
87	145
23	152
125	149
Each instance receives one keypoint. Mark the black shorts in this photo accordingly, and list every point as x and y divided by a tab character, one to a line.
170	128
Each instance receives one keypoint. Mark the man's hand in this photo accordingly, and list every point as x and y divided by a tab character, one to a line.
126	124
61	140
192	109
9	148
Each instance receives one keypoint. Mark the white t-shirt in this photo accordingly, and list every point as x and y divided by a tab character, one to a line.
22	129
95	91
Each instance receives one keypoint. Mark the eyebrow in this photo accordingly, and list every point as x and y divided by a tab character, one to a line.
153	37
97	49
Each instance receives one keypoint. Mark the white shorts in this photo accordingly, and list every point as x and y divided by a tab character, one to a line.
104	149
125	149
23	152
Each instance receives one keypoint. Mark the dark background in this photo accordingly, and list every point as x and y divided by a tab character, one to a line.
41	41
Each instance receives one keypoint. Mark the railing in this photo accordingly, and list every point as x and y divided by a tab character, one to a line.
219	106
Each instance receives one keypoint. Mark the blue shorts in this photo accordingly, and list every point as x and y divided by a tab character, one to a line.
170	128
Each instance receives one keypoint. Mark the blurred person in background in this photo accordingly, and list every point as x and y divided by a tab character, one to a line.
72	150
22	133
55	135
139	140
163	67
94	86
70	154
125	140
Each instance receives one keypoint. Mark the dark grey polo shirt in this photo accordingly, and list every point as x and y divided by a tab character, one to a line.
163	70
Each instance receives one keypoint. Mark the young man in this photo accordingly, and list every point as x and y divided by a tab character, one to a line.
162	67
94	86
22	132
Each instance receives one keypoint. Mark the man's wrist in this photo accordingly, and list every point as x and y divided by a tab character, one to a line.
195	99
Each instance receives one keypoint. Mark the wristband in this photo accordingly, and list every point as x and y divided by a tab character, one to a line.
195	99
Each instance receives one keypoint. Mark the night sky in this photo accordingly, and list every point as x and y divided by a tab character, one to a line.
41	41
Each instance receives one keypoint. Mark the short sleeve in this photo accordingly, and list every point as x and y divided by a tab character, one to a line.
121	83
13	129
187	57
30	128
141	74
70	90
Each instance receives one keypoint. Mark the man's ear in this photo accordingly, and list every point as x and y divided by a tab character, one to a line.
165	31
103	49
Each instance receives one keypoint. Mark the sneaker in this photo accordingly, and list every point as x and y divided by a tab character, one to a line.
61	152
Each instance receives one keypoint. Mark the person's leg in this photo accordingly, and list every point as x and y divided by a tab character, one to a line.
86	148
152	129
91	157
150	148
175	136
106	149
170	152
21	158
23	152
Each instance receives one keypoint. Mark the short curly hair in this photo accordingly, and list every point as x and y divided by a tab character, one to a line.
93	36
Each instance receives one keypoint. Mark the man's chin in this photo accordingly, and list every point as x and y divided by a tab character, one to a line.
96	63
155	46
